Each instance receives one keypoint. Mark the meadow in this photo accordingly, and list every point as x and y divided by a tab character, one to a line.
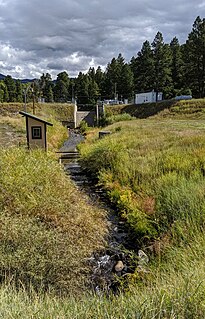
153	172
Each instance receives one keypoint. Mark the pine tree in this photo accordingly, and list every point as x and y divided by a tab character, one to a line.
111	79
91	73
113	83
19	91
127	80
144	69
194	57
11	87
176	66
162	66
61	89
82	88
46	87
93	88
99	79
93	92
4	97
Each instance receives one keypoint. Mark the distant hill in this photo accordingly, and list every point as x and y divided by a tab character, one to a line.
2	76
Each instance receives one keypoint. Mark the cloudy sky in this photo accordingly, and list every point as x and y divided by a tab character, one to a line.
39	36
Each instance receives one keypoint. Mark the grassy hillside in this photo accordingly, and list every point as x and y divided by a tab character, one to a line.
61	111
55	113
170	108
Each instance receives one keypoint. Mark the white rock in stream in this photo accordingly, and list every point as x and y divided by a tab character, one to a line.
103	260
119	266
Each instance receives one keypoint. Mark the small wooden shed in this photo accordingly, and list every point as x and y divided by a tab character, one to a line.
35	131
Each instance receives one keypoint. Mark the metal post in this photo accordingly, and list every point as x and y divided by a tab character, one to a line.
97	114
115	91
25	100
33	98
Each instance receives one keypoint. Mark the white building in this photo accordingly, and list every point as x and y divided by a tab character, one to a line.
147	97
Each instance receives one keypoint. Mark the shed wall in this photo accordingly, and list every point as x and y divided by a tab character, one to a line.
35	143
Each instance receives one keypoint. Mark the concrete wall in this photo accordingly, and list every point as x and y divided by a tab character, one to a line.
70	124
88	116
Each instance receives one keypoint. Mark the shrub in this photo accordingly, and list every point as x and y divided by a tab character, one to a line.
110	119
83	127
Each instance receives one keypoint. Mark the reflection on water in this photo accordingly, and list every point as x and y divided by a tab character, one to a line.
9	136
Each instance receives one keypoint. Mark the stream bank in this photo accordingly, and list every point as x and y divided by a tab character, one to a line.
119	258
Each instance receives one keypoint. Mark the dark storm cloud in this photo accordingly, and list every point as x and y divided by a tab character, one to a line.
53	35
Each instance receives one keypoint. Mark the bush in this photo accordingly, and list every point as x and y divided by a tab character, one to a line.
110	119
83	127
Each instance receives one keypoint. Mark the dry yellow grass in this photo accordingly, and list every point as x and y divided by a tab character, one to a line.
46	232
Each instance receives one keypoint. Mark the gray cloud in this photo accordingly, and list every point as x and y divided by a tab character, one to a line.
55	35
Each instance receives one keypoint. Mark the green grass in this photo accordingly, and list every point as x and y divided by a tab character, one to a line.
153	172
60	111
174	289
194	108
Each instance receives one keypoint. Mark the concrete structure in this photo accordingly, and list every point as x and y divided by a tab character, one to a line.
148	97
35	131
90	117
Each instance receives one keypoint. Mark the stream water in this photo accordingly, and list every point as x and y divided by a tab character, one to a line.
119	258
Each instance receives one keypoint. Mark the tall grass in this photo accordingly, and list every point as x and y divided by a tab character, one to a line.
174	289
46	233
153	172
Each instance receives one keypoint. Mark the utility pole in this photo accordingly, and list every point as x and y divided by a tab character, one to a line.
24	91
25	97
33	98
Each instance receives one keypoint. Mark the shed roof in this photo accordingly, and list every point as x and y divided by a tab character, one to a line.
34	117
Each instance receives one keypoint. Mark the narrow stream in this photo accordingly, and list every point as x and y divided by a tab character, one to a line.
116	261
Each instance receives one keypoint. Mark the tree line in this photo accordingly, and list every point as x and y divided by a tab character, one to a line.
172	69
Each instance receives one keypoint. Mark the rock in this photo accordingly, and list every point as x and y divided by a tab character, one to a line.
119	266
